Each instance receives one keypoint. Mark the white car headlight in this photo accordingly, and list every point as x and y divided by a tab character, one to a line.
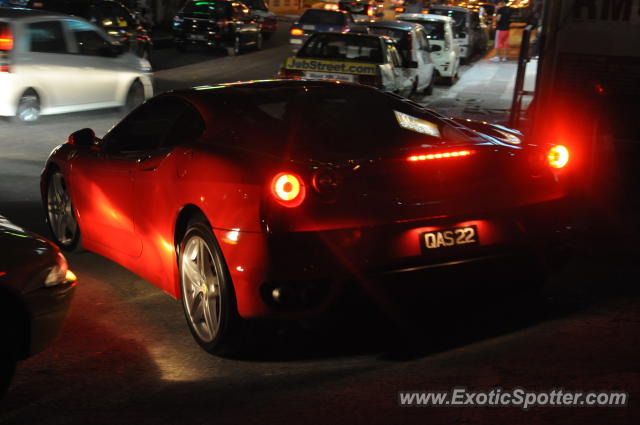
58	273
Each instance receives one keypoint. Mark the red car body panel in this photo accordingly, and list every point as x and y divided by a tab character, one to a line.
129	209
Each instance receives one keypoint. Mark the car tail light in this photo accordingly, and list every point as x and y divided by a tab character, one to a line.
558	156
288	189
6	38
296	31
399	9
222	24
370	11
370	80
440	155
291	73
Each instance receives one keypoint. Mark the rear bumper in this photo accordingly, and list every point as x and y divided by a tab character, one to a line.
302	273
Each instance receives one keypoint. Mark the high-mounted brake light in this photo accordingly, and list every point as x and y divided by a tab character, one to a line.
296	31
288	189
558	156
440	155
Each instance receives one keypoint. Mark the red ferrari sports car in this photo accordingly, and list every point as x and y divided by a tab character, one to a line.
258	199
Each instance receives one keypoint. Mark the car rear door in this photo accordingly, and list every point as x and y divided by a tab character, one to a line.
46	63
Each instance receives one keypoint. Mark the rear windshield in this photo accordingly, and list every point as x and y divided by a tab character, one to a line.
6	38
458	17
354	7
206	9
433	29
325	122
343	46
400	36
322	17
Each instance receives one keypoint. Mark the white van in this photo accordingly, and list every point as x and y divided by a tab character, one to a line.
52	63
445	51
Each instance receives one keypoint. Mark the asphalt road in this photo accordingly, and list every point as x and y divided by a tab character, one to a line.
126	356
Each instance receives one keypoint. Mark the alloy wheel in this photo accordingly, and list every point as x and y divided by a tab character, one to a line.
60	212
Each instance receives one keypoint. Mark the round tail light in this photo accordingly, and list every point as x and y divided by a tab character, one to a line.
288	189
558	156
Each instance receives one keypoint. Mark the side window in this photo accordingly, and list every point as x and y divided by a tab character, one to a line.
395	57
47	37
88	40
163	122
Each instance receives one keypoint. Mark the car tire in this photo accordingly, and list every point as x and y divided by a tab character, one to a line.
28	108
452	80
234	49
208	297
414	89
428	91
259	41
60	214
135	97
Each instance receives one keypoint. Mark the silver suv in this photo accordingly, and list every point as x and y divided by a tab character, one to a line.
52	63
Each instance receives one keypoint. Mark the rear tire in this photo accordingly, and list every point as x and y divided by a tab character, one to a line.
28	109
135	97
208	297
234	49
259	41
429	89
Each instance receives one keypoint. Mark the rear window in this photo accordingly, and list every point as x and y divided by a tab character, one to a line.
322	121
343	46
354	7
400	36
433	29
207	9
46	37
459	18
322	17
6	37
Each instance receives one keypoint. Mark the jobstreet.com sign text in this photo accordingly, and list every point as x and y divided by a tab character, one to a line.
517	397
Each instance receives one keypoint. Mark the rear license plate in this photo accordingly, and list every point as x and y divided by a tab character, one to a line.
196	37
309	27
449	238
327	76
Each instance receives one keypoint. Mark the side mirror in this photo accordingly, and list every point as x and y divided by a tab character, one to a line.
435	48
410	64
84	137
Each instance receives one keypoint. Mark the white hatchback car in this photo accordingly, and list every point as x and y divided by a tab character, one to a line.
52	63
445	50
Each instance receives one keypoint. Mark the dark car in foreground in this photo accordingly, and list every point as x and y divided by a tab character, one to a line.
265	199
36	288
114	18
216	24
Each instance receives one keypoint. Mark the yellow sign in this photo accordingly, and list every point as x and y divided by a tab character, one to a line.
342	67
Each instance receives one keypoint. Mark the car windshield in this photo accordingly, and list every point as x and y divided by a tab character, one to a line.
322	122
343	46
433	29
322	17
256	4
458	17
206	9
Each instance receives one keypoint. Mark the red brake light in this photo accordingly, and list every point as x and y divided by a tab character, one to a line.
290	73
296	31
440	155
370	12
558	156
288	189
399	9
6	38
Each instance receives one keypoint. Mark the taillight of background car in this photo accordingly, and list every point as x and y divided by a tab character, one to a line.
6	45
288	189
558	156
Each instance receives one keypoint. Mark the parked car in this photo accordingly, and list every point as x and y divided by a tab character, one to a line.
470	33
414	47
36	288
321	20
366	59
362	9
223	24
265	199
52	63
115	19
445	52
266	20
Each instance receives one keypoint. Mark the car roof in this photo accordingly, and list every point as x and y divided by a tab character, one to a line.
400	25
21	13
456	8
424	17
